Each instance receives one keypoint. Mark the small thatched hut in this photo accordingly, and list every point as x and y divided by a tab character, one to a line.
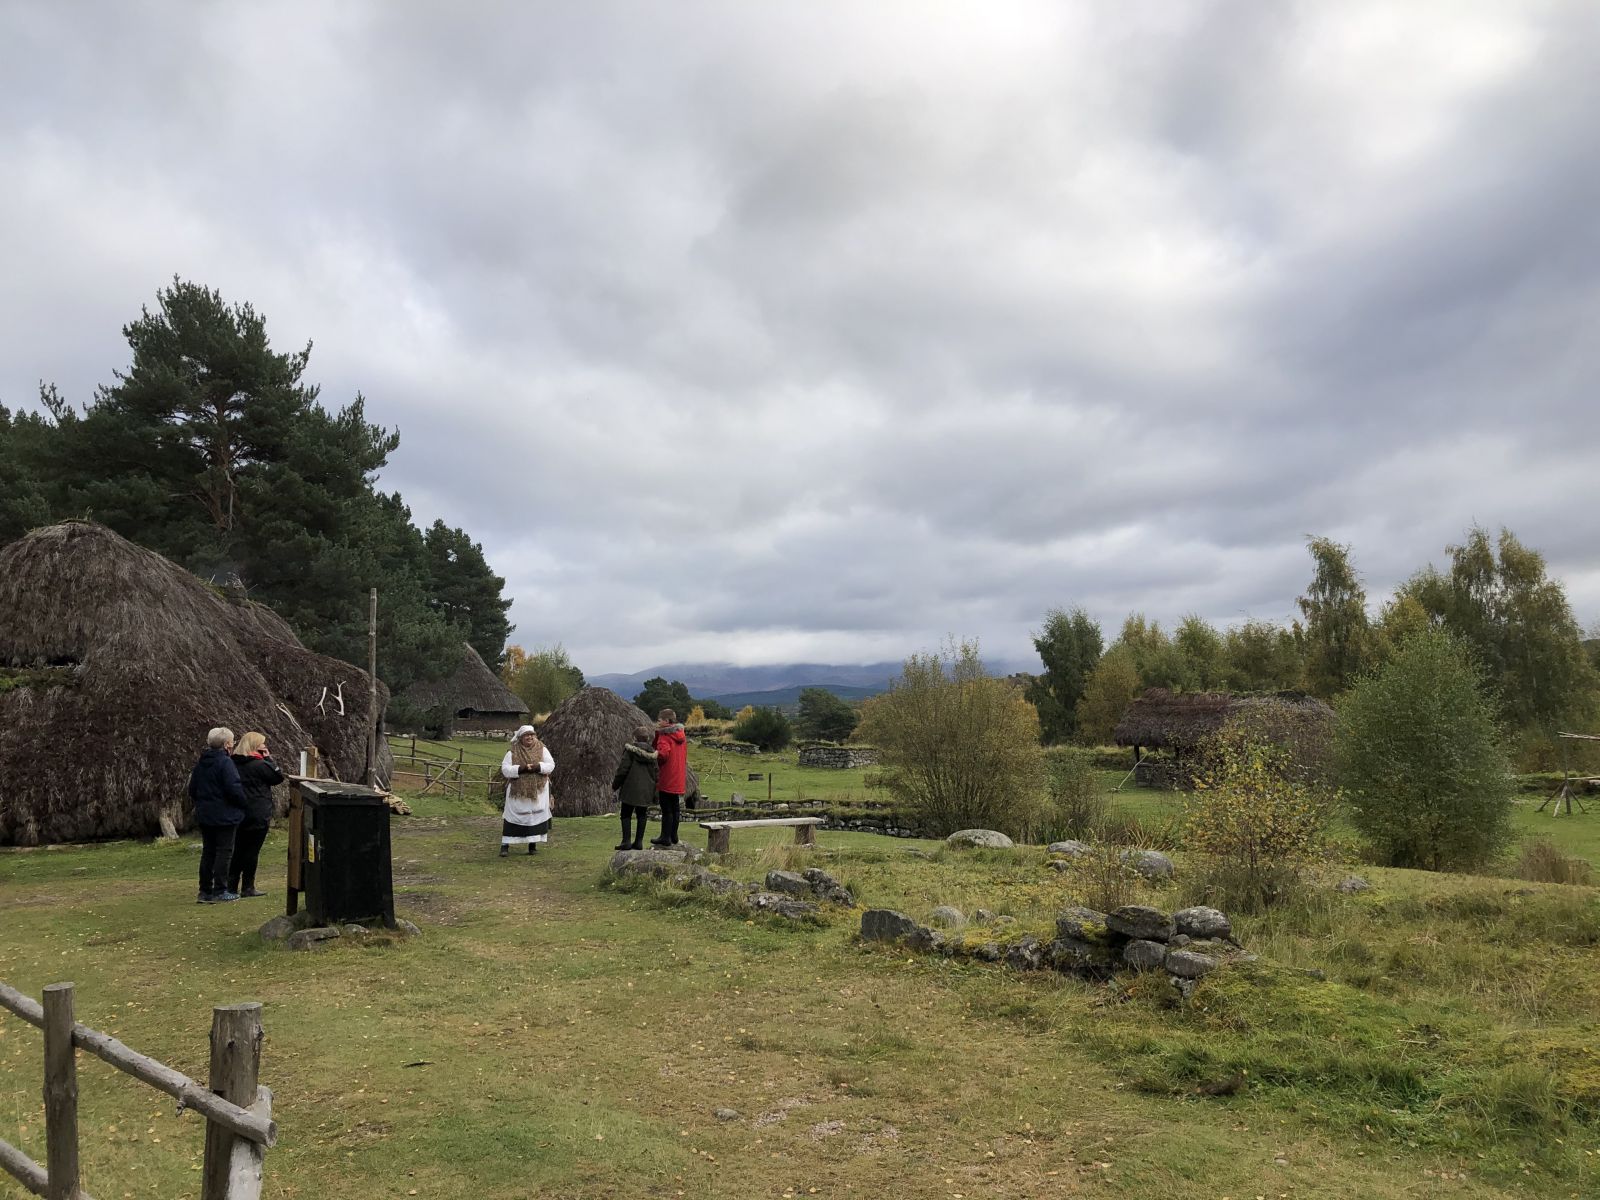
1181	723
114	662
586	734
470	700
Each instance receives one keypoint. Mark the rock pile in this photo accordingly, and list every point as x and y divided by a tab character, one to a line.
1188	944
792	894
298	933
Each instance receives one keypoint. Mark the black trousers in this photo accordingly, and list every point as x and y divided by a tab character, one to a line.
246	852
669	816
216	856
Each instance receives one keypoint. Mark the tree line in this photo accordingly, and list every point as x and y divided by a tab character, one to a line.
1494	597
211	448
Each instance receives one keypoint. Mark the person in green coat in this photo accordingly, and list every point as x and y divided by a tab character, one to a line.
635	785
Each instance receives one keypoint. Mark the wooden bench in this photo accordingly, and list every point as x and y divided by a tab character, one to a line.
719	832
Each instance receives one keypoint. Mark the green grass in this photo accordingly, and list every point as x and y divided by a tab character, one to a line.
578	1038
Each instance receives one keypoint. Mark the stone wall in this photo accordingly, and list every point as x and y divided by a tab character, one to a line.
839	758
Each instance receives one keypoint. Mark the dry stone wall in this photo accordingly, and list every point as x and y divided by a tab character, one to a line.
838	758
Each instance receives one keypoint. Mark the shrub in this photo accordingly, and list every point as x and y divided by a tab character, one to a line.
1255	817
1542	861
1421	761
766	727
1075	806
960	749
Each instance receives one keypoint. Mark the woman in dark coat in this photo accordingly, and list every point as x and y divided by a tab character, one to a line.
218	799
259	775
635	785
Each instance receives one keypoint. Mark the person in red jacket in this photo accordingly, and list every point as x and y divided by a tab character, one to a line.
672	770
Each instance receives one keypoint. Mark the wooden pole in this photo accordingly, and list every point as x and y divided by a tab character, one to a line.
235	1063
244	1168
372	680
60	1094
163	1078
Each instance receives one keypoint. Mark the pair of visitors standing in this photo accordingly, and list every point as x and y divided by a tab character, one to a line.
527	767
672	771
259	775
635	785
219	802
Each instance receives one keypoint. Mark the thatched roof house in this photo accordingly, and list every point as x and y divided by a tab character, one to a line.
1163	720
471	699
114	662
586	734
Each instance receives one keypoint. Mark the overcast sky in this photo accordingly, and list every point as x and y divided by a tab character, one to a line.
767	331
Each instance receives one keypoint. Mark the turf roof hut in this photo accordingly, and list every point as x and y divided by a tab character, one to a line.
1181	723
470	700
114	662
586	734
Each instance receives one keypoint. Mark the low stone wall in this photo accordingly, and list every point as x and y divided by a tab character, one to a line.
1187	945
839	758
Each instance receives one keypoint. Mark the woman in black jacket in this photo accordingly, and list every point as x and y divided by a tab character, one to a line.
259	775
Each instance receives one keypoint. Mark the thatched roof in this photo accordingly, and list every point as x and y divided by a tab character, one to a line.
122	661
586	734
1163	720
471	688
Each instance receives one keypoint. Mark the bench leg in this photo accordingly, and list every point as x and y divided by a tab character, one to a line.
717	840
805	835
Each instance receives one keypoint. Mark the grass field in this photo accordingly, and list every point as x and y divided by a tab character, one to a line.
550	1036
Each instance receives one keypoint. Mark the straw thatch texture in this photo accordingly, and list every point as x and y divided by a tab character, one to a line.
586	734
147	659
1162	720
472	693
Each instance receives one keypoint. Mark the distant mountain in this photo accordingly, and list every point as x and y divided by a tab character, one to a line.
789	698
722	679
727	683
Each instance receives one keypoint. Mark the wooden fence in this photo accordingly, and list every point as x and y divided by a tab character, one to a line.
238	1112
428	768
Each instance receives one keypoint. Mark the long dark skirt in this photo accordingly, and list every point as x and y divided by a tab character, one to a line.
512	834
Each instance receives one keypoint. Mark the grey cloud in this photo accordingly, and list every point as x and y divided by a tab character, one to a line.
821	331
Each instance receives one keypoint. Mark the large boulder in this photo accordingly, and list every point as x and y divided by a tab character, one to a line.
1187	964
1202	922
886	925
790	882
1144	956
1152	864
781	905
660	861
826	887
991	839
1081	925
1140	921
1071	848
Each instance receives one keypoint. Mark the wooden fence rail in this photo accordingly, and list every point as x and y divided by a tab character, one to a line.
238	1111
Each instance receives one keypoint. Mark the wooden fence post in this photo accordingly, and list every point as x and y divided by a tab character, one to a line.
60	1094
235	1063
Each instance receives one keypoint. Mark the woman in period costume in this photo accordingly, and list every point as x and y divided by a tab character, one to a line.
527	768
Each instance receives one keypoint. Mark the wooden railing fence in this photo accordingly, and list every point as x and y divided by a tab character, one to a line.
428	769
238	1111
